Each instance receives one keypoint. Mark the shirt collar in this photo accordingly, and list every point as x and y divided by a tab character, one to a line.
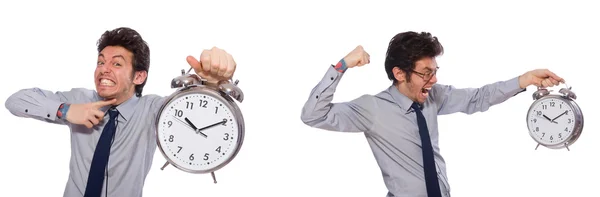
125	109
403	101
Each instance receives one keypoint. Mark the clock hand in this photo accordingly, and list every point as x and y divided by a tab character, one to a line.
215	124
191	126
194	127
560	115
546	117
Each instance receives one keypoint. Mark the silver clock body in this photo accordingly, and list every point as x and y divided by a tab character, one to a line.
190	85
555	121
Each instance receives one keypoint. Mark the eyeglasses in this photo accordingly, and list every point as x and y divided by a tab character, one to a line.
427	75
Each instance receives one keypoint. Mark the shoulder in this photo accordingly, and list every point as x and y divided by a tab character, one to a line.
151	98
438	91
80	94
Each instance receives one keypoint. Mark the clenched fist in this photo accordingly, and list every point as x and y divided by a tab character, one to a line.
87	114
215	65
357	57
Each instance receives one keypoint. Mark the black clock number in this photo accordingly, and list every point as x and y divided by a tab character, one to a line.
226	136
178	113
216	109
218	149
551	137
537	129
567	129
205	156
203	103
569	120
189	105
192	157
544	107
171	138
539	113
170	123
179	149
543	134
559	135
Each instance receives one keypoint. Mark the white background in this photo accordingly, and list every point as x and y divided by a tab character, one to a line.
283	48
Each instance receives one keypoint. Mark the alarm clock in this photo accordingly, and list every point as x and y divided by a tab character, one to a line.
200	128
554	120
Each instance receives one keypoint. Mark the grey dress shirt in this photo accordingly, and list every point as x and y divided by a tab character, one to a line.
132	149
390	125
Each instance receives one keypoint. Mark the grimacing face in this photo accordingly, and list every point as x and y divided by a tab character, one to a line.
113	76
421	80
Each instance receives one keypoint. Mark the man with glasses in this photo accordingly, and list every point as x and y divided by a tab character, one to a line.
400	123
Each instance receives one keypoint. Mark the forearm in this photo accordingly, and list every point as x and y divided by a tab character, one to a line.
34	103
472	100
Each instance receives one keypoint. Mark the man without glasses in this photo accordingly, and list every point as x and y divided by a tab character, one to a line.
112	127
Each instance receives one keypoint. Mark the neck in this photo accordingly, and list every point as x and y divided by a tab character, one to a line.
404	90
121	99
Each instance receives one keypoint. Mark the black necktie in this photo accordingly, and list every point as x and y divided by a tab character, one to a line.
431	181
100	159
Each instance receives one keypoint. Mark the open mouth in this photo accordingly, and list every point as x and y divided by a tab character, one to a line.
425	91
107	82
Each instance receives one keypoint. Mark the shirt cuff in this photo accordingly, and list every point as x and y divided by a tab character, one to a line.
51	108
513	87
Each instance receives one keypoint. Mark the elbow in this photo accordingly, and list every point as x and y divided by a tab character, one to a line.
310	118
306	117
11	102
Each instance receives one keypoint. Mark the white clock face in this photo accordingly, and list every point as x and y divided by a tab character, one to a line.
551	121
198	132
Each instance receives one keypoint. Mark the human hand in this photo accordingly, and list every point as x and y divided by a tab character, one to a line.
215	65
540	77
357	57
87	114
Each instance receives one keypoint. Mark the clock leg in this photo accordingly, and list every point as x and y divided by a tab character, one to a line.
213	176
567	146
164	166
538	145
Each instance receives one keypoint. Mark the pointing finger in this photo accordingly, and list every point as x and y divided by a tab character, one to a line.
99	104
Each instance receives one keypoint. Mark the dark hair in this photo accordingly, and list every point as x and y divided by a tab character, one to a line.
133	42
406	48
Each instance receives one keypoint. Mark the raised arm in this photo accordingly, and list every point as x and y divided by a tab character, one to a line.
471	100
354	116
44	105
